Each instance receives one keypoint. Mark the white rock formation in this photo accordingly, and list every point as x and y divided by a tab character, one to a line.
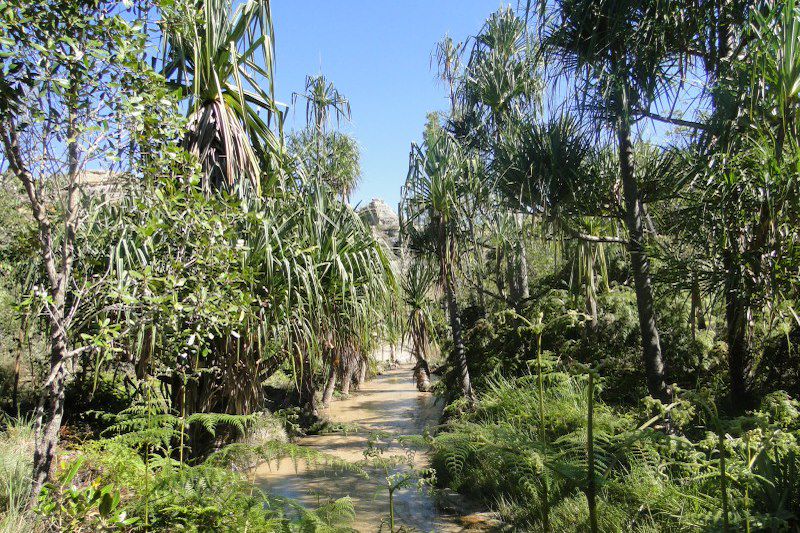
383	220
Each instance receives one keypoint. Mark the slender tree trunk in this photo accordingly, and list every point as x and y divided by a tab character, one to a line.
517	274
698	317
591	289
330	384
480	277
499	279
422	373
521	261
738	349
459	355
512	278
49	415
142	364
525	290
50	411
348	370
736	334
361	375
735	297
307	388
640	263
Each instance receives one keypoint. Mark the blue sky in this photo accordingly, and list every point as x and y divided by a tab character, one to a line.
378	54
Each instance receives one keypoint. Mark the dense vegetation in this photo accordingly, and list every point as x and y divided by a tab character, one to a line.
148	312
611	203
600	236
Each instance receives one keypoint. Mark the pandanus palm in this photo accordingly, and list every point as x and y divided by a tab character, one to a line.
431	210
323	99
502	84
350	287
417	285
332	158
553	169
741	204
501	73
623	56
221	58
267	283
336	163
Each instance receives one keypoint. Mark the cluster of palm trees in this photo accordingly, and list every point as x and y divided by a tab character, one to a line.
315	279
230	257
666	128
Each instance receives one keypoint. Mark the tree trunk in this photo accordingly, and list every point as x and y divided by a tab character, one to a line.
307	388
50	410
698	317
348	370
525	290
459	356
521	262
517	274
591	288
736	309
361	375
640	263
422	373
330	384
479	281
736	335
49	414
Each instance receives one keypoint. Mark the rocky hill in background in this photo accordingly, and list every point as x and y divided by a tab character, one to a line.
383	220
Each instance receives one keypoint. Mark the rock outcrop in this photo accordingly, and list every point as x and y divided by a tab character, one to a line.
383	220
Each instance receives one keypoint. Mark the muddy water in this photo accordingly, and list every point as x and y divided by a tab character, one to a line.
390	405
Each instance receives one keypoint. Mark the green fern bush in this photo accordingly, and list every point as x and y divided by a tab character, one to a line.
647	479
143	460
161	494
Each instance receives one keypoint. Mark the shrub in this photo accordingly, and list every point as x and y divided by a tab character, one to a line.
647	479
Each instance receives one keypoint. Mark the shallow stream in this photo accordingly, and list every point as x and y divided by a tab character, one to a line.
389	405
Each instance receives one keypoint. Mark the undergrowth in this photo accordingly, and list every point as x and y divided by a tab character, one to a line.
655	469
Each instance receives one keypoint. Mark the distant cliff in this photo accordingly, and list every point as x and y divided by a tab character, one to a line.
383	220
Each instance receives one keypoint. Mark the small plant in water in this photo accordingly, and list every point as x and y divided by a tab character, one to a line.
398	471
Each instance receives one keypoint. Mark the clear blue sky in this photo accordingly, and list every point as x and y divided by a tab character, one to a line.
378	54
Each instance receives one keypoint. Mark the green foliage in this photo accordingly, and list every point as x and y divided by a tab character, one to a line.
150	490
16	452
418	284
646	480
221	57
334	159
184	299
265	279
88	508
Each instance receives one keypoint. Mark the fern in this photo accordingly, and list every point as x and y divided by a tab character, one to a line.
328	517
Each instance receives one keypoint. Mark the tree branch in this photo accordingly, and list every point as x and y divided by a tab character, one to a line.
8	136
596	238
674	121
600	239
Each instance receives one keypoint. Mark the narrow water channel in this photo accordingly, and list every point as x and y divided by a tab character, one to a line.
389	404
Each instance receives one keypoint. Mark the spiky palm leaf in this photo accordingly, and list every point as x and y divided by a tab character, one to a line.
222	60
417	285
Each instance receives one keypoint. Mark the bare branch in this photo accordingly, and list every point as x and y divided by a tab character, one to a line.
672	120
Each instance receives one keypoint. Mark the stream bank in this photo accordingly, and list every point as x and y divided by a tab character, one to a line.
386	407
